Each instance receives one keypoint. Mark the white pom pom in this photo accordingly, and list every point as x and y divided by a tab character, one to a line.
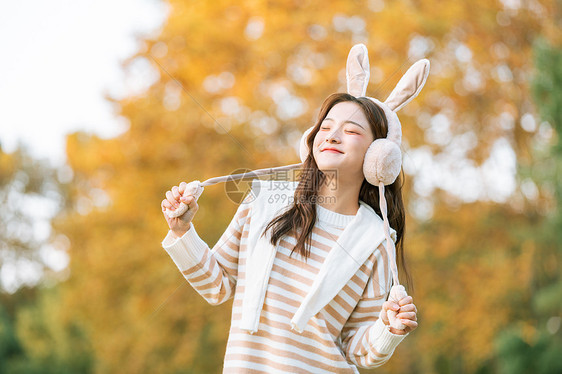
397	293
179	211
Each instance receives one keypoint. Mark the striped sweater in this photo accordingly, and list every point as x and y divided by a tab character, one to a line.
345	334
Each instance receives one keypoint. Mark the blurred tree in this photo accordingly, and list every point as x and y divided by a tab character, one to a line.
36	339
534	344
238	84
33	338
9	345
30	195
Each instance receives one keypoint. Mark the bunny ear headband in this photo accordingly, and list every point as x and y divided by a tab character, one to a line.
383	159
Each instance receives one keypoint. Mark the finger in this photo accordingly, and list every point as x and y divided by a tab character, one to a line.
176	193
171	199
406	300
408	308
391	305
166	204
182	187
409	323
188	200
407	315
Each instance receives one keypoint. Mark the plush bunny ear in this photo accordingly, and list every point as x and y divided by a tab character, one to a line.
409	85
357	70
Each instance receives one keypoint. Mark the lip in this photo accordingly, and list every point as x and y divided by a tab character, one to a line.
332	150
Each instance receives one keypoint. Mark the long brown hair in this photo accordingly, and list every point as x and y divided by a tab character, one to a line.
300	218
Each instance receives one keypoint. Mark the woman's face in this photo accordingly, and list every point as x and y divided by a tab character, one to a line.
346	130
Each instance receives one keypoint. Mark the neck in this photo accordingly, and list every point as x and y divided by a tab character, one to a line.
340	195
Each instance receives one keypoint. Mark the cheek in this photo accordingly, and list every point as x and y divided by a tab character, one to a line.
359	143
361	147
318	139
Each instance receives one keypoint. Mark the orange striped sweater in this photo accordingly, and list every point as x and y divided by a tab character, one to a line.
345	334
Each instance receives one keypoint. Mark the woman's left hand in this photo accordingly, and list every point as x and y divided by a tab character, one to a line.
406	312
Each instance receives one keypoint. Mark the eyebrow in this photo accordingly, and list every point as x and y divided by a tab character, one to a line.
348	121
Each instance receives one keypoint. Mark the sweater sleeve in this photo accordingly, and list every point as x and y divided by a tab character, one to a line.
366	340
211	272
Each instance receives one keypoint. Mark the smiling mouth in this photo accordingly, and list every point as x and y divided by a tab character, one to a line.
331	150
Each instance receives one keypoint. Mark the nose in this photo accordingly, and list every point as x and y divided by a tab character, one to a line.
333	137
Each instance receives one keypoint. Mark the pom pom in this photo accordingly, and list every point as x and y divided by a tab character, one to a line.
397	293
192	189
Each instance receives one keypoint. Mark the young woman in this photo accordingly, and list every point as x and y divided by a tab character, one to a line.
270	329
311	263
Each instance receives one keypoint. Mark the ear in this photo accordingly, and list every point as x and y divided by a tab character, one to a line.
357	70
409	85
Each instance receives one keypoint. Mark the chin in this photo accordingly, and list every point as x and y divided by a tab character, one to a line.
328	159
329	166
342	168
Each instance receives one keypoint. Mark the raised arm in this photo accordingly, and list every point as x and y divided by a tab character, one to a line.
211	272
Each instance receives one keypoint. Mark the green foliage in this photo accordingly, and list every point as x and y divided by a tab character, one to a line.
36	339
517	355
9	344
546	86
529	347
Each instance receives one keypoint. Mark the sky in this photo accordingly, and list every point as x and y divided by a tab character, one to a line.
58	59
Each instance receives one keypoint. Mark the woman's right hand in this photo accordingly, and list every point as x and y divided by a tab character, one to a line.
179	225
